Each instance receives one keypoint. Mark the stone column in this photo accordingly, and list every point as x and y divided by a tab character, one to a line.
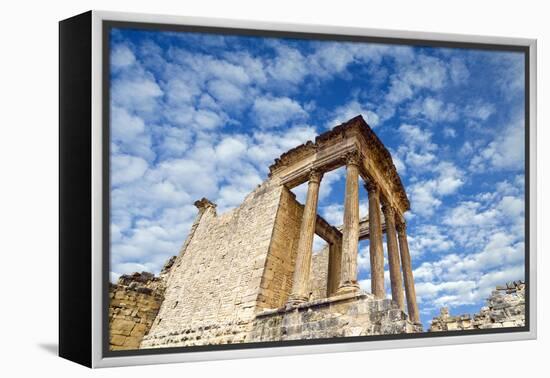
393	256
407	272
350	234
300	283
375	242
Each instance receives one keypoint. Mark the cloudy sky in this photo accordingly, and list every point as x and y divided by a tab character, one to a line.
198	115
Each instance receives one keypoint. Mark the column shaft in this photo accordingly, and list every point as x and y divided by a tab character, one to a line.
393	257
375	242
302	268
407	273
350	234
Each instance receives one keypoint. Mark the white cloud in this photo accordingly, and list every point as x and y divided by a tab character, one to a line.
399	91
419	160
417	149
506	151
470	213
173	141
329	180
268	145
333	213
423	198
137	91
129	133
363	259
463	279
207	67
288	66
277	111
426	194
449	132
225	91
426	72
318	244
459	71
430	238
467	149
416	137
474	223
450	178
207	119
399	164
126	168
461	290
512	206
365	285
509	71
351	109
434	110
230	148
122	57
479	110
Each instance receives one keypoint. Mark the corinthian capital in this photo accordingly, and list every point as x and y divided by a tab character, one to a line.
388	210
372	187
352	158
315	176
401	226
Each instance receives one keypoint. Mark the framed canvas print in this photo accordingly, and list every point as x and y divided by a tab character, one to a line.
234	189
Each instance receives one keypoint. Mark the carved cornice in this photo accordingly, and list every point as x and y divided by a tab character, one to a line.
357	125
293	155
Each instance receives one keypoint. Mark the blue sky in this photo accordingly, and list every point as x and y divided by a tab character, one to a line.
199	115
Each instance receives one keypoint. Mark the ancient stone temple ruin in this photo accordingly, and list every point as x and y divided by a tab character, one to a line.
250	275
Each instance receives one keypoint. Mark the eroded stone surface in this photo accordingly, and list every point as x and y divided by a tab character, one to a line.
134	303
505	308
341	316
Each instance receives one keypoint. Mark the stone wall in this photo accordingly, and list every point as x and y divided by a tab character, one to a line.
505	308
134	302
319	274
214	287
342	316
276	283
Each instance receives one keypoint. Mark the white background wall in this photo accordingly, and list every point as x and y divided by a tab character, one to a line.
28	207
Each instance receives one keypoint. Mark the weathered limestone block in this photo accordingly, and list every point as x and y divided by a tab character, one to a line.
346	315
319	274
134	303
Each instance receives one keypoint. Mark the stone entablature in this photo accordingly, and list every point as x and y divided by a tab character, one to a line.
505	308
329	151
